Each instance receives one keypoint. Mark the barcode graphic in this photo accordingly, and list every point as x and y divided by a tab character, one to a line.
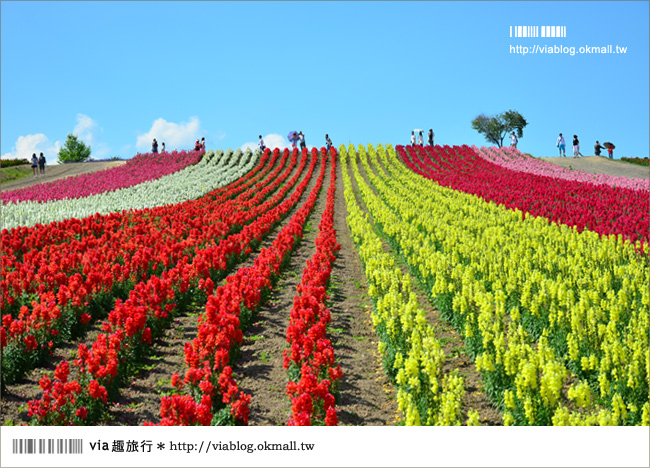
537	31
27	446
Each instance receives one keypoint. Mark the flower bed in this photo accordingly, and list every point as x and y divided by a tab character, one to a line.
313	376
140	168
95	271
512	158
599	208
556	319
208	394
132	324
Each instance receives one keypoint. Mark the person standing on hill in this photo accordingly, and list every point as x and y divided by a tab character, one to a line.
41	164
34	164
303	145
576	146
561	144
154	147
328	142
260	144
163	147
513	140
597	148
413	138
420	139
197	145
203	144
430	137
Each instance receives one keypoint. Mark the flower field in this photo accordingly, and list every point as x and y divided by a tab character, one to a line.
539	274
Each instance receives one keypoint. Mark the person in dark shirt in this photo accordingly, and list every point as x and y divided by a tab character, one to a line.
597	148
576	146
41	164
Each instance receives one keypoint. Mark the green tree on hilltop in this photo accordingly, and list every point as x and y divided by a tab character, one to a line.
496	128
74	150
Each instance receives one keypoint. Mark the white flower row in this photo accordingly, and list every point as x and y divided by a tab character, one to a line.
213	171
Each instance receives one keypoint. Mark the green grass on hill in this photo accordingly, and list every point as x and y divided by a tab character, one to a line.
638	161
9	174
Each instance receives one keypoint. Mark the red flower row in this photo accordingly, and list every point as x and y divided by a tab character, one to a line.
310	356
599	208
133	323
208	391
120	266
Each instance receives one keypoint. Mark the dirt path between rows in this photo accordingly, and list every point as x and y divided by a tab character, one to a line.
60	171
602	165
260	372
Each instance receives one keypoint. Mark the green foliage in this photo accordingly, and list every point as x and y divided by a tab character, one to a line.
638	161
13	162
10	174
497	127
74	150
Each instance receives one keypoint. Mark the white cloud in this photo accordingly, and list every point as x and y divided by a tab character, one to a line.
88	131
38	143
272	140
175	136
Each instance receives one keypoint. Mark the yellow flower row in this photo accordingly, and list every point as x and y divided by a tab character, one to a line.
537	303
411	354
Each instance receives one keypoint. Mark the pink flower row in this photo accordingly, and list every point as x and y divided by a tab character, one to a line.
512	158
139	169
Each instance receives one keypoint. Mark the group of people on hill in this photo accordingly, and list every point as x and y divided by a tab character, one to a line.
198	146
38	164
561	145
300	137
420	140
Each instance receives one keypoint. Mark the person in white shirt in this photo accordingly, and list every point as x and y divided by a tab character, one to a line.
561	144
413	138
513	140
35	164
420	139
261	144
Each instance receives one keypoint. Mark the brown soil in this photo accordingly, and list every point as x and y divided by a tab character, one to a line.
602	165
259	372
60	171
367	397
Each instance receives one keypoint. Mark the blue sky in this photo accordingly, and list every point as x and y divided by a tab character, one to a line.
120	73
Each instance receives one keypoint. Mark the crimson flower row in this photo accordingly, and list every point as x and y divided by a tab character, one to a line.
134	323
600	208
208	394
313	376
